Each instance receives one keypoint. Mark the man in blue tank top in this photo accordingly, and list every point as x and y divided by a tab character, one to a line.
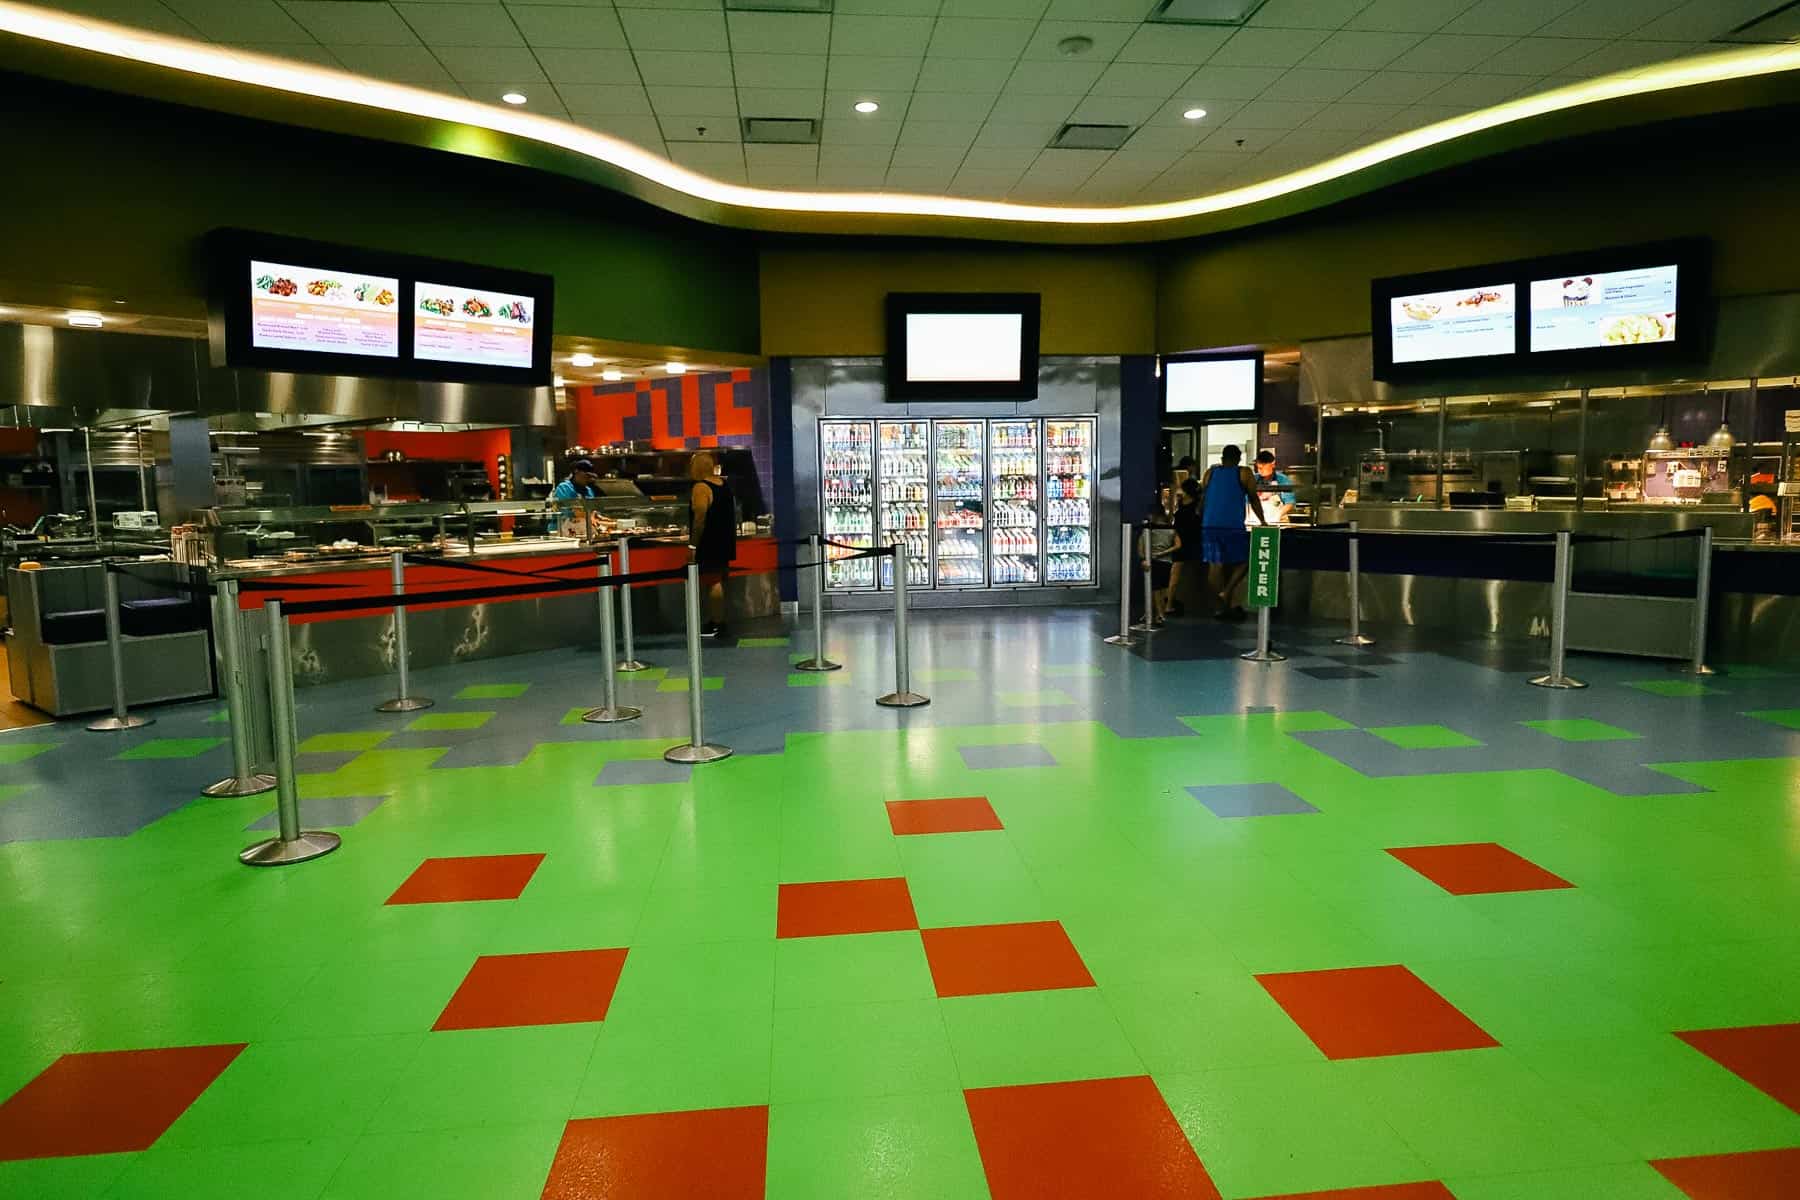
1224	541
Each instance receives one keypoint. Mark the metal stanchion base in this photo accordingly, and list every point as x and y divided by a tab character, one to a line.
607	716
631	666
1689	668
690	753
1145	626
404	704
1119	639
114	724
1263	656
815	663
1560	682
902	700
277	853
249	785
1355	639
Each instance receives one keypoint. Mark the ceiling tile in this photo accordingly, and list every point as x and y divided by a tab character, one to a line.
779	33
779	70
880	35
640	130
980	38
1190	44
490	64
1701	20
757	154
588	66
605	98
942	136
1016	109
1481	90
846	179
1135	160
781	102
860	72
1072	79
1306	14
655	29
1005	158
1109	37
1306	83
306	52
948	106
686	68
1516	17
1162	138
155	18
893	105
1098	10
1268	47
1115	110
1003	135
1352	118
781	177
1398	87
834	155
402	64
567	27
846	131
240	20
677	4
1231	83
1275	114
968	75
542	99
1170	112
1410	16
1141	79
922	179
461	24
1607	18
1540	55
717	159
1032	9
352	24
908	155
676	101
697	127
1360	49
886	8
984	181
1630	56
1430	114
1315	143
1450	52
1068	164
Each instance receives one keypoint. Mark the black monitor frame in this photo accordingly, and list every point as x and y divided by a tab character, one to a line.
900	305
1253	413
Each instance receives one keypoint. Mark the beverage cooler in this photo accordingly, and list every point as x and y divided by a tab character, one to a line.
977	503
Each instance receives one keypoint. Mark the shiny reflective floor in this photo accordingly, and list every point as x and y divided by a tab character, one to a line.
1145	922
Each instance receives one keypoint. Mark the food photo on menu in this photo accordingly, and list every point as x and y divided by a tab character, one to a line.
1460	323
322	311
473	326
1617	308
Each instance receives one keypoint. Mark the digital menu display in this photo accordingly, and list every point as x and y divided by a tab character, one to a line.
472	325
1613	308
323	311
1476	322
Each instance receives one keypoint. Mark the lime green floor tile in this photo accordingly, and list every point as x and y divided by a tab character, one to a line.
874	1148
493	691
432	722
56	1178
329	742
1071	671
851	969
1581	729
666	1060
9	790
171	748
18	752
1673	687
499	1162
478	1077
817	678
1423	737
946	675
573	716
1037	698
222	717
647	675
166	1172
970	879
349	999
1222	1020
1037	1037
1786	717
679	683
759	643
848	1050
739	913
697	977
1619	1181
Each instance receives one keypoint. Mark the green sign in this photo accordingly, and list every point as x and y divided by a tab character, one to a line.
1265	566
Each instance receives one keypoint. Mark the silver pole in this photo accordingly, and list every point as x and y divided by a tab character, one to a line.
1355	636
696	750
609	712
245	779
115	650
143	484
1702	606
818	662
1262	653
1123	637
1149	623
631	663
404	700
902	696
294	845
1559	617
87	443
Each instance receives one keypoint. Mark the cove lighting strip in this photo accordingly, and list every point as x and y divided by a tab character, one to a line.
303	79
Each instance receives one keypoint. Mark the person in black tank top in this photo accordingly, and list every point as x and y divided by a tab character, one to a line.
712	532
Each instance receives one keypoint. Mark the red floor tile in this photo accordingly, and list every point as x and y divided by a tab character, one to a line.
962	814
718	1153
107	1103
1754	1175
478	877
1764	1056
844	906
1096	1137
1381	1191
1365	1012
980	960
534	989
1478	868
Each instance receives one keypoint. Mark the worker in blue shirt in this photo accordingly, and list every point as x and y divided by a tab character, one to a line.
1271	479
578	486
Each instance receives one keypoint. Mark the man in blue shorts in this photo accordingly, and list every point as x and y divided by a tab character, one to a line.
1224	541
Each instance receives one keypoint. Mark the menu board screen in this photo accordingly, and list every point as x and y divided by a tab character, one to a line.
472	325
1614	308
1474	322
323	311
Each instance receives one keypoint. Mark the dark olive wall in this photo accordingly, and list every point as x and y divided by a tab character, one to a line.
109	194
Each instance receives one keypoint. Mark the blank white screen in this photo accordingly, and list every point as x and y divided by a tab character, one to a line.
1214	386
963	347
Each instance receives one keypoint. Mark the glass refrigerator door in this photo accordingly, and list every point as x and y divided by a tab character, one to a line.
1068	500
904	481
1013	510
847	499
959	507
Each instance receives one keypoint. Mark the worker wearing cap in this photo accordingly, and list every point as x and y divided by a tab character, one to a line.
578	486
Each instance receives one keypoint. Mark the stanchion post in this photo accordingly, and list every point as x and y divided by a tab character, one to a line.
292	845
632	663
245	779
115	650
1123	637
611	711
902	696
697	750
1702	602
1264	589
404	700
818	662
1559	618
1355	636
1149	623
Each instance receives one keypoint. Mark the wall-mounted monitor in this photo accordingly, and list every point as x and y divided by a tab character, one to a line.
1595	310
962	345
291	305
1460	323
1205	387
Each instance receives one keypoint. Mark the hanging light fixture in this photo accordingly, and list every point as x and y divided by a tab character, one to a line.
1660	441
1721	438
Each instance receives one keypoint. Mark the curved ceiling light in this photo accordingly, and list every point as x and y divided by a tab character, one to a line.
303	79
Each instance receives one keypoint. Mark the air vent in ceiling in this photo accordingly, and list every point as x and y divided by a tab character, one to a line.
786	131
1090	137
1204	12
793	6
1779	25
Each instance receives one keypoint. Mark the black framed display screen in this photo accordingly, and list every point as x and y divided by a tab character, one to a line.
1209	387
962	346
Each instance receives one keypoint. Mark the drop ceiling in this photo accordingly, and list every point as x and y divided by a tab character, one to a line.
973	93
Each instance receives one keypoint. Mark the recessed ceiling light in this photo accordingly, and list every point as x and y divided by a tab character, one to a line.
675	368
119	301
1074	47
581	360
866	106
86	320
1194	114
513	97
612	374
